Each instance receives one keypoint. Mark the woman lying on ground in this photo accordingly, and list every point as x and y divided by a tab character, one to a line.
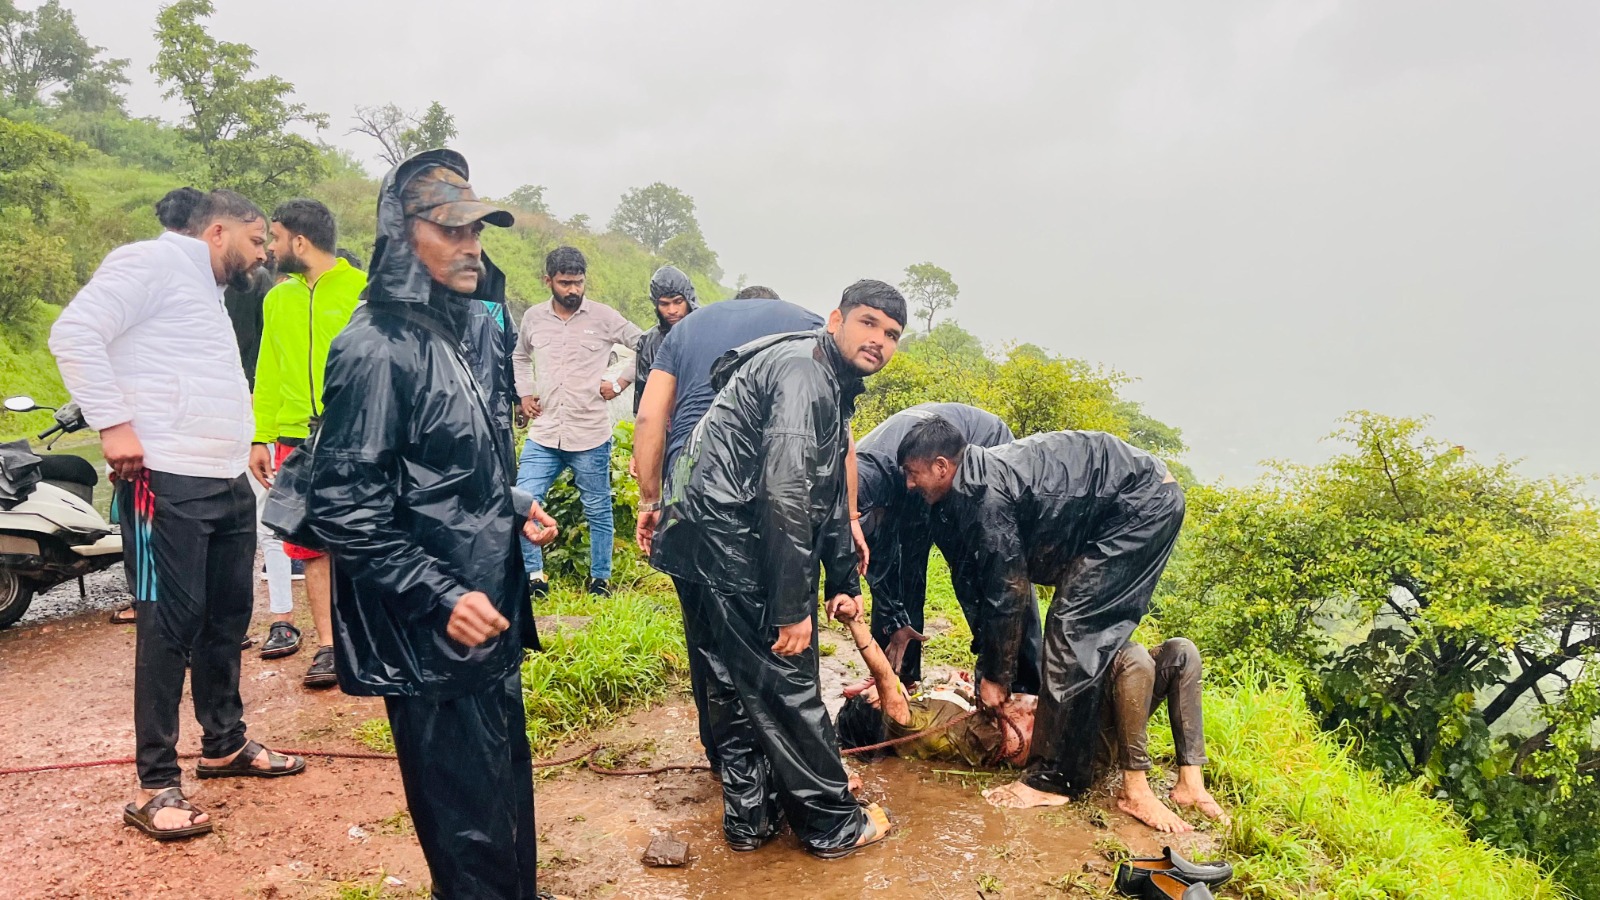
1139	682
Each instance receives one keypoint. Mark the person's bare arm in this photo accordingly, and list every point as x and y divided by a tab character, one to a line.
890	693
649	447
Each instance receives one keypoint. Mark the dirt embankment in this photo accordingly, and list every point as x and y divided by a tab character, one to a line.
67	696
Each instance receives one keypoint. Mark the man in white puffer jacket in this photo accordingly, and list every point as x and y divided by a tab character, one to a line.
148	352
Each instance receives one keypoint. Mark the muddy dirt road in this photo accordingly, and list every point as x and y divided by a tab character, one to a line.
66	695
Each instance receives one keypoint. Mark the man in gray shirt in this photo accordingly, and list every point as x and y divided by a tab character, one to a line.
561	365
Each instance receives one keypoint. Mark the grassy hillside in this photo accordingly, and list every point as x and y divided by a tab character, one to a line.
26	367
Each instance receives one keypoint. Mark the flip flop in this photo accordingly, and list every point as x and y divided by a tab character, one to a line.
144	817
878	818
124	615
240	766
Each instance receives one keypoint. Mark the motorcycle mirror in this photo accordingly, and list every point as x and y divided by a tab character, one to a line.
21	404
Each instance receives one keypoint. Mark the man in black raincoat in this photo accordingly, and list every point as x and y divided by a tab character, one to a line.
754	504
899	534
411	492
672	294
1080	510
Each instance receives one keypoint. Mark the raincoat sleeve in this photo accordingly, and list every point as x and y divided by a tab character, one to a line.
839	557
790	457
355	484
993	581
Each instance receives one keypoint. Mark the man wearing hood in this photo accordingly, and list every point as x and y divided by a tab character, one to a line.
411	493
672	295
753	505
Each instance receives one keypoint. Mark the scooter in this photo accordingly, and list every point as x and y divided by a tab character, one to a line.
53	534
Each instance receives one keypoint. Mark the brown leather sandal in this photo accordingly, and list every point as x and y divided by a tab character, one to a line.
240	766
144	817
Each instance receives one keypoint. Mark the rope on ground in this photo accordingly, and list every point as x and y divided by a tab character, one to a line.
581	755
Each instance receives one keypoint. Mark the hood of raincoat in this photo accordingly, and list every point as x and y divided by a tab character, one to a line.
666	282
411	485
757	499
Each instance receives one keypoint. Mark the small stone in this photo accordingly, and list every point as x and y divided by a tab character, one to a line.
665	851
393	882
357	833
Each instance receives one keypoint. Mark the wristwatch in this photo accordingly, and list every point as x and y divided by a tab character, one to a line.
616	385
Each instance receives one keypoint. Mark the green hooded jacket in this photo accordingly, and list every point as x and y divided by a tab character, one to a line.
298	323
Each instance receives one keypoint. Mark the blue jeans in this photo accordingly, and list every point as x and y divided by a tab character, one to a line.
591	469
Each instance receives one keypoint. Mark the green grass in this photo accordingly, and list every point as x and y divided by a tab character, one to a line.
26	367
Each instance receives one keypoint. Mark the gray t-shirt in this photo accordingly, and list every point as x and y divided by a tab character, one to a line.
697	341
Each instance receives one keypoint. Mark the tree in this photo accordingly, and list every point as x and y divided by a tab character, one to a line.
31	162
529	197
400	133
579	222
654	215
930	289
240	124
43	49
34	264
1446	610
688	251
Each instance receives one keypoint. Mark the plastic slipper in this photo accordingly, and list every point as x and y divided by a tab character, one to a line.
144	817
878	818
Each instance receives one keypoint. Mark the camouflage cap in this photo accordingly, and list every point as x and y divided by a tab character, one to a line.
441	196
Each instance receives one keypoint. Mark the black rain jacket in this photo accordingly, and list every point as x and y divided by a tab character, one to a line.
757	499
411	484
1019	514
668	281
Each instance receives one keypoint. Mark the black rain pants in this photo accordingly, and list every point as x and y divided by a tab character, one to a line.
780	753
468	776
1098	603
713	691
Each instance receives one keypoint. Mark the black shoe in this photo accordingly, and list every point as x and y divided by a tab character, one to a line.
1162	886
283	639
297	570
321	673
1133	875
538	586
599	587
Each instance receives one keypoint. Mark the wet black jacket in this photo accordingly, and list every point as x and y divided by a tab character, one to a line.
411	485
1019	514
667	282
489	341
758	498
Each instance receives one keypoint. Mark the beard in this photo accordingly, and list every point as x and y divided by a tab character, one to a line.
237	270
289	264
572	302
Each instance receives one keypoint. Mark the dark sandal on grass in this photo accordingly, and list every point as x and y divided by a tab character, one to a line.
241	766
877	818
124	615
144	817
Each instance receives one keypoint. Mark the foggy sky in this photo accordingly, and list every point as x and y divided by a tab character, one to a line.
1269	213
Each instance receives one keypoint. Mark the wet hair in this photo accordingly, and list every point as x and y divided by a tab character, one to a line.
565	261
879	295
311	220
860	724
174	210
930	439
756	292
223	204
349	257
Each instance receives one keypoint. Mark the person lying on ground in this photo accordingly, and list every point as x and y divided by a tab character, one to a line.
873	714
898	533
1081	510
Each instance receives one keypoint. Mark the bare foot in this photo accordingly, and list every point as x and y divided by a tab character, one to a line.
1201	799
1017	795
1147	809
169	818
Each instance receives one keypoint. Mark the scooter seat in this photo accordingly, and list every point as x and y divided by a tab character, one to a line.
68	468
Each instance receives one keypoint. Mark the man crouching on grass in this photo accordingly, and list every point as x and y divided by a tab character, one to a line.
411	493
1139	682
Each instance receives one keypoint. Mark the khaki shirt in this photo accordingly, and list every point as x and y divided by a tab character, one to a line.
563	362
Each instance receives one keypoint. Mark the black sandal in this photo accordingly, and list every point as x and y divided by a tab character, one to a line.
144	817
240	766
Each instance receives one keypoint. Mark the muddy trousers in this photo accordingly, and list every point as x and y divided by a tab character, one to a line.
780	754
1141	680
191	546
709	683
468	776
1098	602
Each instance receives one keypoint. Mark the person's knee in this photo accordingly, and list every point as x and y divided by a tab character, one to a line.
1135	662
1181	654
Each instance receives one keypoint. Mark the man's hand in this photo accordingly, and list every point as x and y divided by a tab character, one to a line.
540	528
898	642
607	390
862	550
795	639
844	608
531	408
992	695
645	531
261	463
475	620
123	451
